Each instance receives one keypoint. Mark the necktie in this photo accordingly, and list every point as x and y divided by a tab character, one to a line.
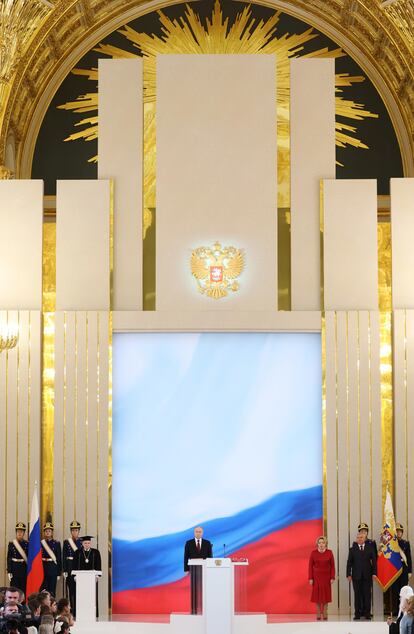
198	545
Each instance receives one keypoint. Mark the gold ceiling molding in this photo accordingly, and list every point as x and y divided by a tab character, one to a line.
375	36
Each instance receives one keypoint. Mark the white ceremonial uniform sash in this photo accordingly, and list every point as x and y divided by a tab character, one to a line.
72	545
49	551
20	549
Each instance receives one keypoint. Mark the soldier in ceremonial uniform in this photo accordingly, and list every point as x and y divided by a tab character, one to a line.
70	547
52	559
406	569
88	558
17	558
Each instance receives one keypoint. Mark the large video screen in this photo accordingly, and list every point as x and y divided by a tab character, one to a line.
221	430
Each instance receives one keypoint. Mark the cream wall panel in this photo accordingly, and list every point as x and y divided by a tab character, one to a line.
216	174
120	151
353	437
332	448
312	158
404	418
82	374
83	245
350	244
255	321
21	218
402	235
20	424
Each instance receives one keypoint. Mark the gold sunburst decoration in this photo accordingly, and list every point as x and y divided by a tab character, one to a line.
247	35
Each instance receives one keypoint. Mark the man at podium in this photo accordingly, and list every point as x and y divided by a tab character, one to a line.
197	548
87	558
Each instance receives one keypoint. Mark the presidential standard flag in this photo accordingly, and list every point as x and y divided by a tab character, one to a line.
34	560
390	556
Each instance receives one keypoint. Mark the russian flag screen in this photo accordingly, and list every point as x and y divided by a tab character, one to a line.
222	430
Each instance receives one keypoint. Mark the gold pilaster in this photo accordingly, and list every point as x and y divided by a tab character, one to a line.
48	369
386	361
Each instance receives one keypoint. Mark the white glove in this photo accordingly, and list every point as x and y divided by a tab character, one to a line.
65	575
10	576
58	577
409	575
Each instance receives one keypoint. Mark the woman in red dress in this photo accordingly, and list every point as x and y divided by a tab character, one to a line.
321	576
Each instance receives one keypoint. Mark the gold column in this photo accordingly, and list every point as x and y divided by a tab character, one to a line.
48	369
385	306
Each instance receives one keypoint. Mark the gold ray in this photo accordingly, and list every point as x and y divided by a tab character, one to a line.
188	35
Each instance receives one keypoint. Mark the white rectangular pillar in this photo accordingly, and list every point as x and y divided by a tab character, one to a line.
83	245
216	175
312	158
350	244
120	158
402	235
21	221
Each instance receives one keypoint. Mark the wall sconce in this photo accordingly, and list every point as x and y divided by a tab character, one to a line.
9	336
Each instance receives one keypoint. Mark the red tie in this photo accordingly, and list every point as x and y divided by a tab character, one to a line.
198	545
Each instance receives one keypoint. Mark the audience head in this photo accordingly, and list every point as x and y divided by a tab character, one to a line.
34	605
410	606
12	595
406	593
45	598
63	606
10	608
45	610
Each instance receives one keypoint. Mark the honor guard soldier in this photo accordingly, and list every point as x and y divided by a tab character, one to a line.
70	546
52	559
17	558
406	568
87	558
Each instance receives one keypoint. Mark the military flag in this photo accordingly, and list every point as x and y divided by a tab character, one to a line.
34	560
390	556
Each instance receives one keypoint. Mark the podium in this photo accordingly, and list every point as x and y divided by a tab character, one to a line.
218	592
86	595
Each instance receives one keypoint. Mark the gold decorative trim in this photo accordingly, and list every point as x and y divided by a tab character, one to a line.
110	337
321	243
324	446
375	40
284	277
386	353
48	369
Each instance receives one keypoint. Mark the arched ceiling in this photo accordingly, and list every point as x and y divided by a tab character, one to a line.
52	35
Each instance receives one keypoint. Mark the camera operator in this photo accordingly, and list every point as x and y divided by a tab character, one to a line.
11	620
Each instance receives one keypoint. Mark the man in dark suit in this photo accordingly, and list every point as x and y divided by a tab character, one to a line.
197	548
361	569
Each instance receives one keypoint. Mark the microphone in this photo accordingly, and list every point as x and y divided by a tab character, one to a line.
224	550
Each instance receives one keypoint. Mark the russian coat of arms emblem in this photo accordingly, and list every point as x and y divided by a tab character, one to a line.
216	269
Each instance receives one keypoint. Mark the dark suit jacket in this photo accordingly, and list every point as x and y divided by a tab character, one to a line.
361	564
191	552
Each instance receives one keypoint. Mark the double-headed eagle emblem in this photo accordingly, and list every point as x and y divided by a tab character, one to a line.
216	269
